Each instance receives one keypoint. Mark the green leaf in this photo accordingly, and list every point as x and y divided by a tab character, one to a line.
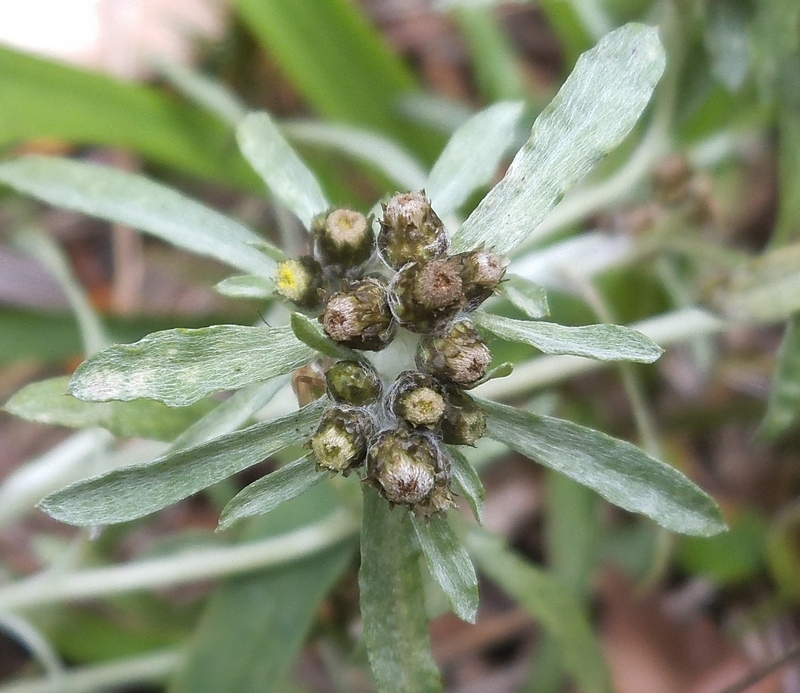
465	475
47	402
254	626
603	342
783	408
783	552
286	176
341	65
369	147
528	296
132	492
592	113
551	603
270	491
231	414
728	42
765	289
246	286
392	602
181	366
213	96
126	198
310	332
449	565
471	157
619	471
44	98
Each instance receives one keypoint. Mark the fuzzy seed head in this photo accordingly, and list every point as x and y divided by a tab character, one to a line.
410	231
460	356
334	448
464	422
437	285
421	407
359	316
354	383
403	466
343	237
340	442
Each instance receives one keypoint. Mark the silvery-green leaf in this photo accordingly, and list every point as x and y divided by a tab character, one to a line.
246	286
466	477
764	289
449	565
181	366
528	296
471	157
728	42
592	113
382	153
393	601
270	491
783	408
287	177
131	492
229	415
619	471
311	334
602	342
126	198
551	603
204	91
47	402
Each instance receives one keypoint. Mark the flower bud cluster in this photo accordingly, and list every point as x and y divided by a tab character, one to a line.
367	288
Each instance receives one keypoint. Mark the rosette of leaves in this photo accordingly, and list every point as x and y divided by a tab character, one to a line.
593	112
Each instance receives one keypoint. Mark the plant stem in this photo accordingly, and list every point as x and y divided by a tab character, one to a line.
144	669
187	567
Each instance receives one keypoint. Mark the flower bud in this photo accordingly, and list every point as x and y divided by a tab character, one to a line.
410	231
352	382
299	281
359	316
480	271
464	422
408	469
340	442
426	296
417	399
343	237
460	355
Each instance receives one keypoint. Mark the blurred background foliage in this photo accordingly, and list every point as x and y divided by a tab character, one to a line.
698	210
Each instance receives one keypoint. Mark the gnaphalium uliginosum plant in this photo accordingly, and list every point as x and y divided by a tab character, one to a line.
386	339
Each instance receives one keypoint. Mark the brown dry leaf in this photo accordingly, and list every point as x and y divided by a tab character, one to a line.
648	650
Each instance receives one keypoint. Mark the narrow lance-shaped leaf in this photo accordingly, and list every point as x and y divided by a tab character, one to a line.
287	177
592	113
551	603
528	296
472	155
272	490
449	565
465	475
603	342
619	471
135	491
783	409
181	366
246	286
46	402
393	602
380	152
310	333
126	198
